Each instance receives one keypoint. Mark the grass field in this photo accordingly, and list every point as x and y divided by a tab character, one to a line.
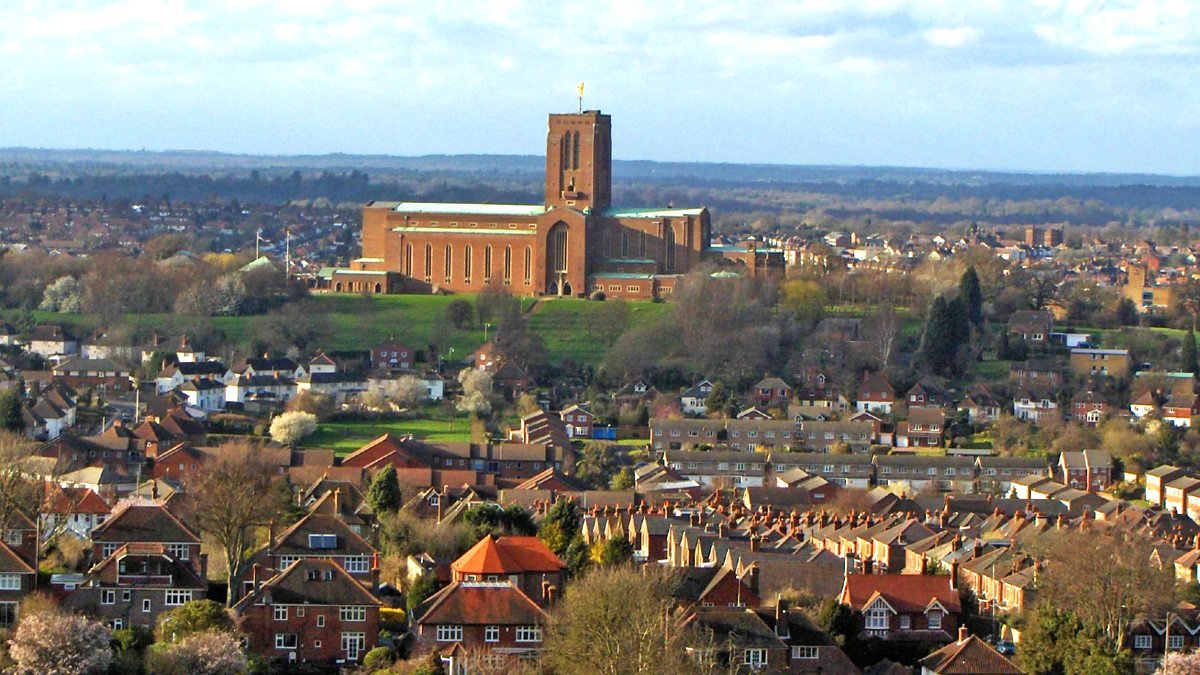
346	437
359	323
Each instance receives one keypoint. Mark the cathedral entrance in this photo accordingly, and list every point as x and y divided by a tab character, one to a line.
556	260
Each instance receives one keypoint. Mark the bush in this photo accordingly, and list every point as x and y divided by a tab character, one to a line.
209	653
290	427
66	644
597	296
379	658
392	615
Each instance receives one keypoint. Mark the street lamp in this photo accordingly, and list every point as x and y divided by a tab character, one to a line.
486	326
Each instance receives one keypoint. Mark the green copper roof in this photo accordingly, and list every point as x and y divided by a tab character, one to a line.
650	213
471	209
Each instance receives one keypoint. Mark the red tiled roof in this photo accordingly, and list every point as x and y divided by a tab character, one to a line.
904	592
74	500
508	555
971	656
491	603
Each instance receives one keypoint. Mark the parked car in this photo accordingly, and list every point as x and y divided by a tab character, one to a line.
1006	647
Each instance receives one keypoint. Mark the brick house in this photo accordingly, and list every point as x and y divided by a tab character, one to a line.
875	395
1031	325
1088	407
981	405
925	394
924	428
148	523
772	392
1180	408
578	421
1089	470
904	606
1157	479
524	562
311	611
135	584
495	619
17	577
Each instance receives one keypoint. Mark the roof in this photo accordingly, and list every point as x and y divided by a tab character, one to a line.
314	581
467	209
144	523
904	592
649	212
971	656
490	603
508	555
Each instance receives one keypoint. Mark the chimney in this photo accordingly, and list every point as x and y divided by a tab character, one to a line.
337	497
954	575
203	565
962	634
271	533
545	592
551	595
254	577
754	543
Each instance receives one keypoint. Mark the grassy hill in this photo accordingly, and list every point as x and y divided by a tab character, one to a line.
361	322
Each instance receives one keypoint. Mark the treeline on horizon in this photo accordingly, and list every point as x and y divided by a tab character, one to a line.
745	196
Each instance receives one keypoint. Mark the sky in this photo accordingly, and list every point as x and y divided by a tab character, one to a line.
1041	85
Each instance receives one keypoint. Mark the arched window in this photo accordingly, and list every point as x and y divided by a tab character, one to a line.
449	261
408	260
487	263
558	248
642	245
337	288
528	265
670	246
378	288
624	243
566	151
467	264
508	264
428	262
575	152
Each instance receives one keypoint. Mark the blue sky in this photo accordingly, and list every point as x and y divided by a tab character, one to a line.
1041	85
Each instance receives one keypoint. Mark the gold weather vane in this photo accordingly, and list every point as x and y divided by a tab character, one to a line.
579	89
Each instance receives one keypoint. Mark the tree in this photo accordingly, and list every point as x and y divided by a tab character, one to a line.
714	403
426	585
60	644
972	296
1127	313
610	552
319	404
290	427
384	493
407	391
379	658
1187	354
17	493
233	494
560	526
946	332
64	295
477	392
616	620
622	480
460	313
804	300
1177	663
196	616
596	465
207	653
10	410
883	328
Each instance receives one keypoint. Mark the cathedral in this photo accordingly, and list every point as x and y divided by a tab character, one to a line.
574	244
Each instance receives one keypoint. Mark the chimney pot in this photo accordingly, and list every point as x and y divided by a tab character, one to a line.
962	634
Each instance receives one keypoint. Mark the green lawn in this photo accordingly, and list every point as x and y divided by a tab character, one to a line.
360	323
346	437
990	371
562	323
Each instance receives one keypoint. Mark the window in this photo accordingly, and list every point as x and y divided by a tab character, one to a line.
358	565
281	612
322	541
8	613
285	561
800	652
755	658
877	619
146	605
354	643
467	264
935	619
449	261
487	263
491	633
669	246
108	597
528	265
1174	642
320	621
428	262
13	537
108	549
905	622
355	614
508	264
10	582
1141	642
286	641
179	551
529	633
300	612
126	596
449	633
177	598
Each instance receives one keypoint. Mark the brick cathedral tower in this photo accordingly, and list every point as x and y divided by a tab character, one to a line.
579	161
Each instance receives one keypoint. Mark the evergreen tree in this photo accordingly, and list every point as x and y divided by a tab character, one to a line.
972	296
10	411
384	493
1187	355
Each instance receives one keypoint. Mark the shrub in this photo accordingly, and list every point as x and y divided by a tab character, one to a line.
379	658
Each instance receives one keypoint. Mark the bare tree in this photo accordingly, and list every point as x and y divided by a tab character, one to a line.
233	494
883	328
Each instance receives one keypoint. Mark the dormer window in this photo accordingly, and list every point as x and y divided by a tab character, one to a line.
322	541
434	498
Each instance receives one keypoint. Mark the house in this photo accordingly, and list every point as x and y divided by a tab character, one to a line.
322	533
312	610
1180	408
1088	407
997	474
526	563
941	473
968	656
495	620
1031	325
271	388
736	639
1157	478
175	374
268	366
392	355
75	510
819	391
578	421
139	522
1144	403
719	468
17	579
852	471
772	392
875	395
694	400
1177	494
48	340
1107	362
925	394
102	375
904	606
205	393
981	406
1088	470
754	413
340	386
1035	403
137	582
924	428
1037	372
